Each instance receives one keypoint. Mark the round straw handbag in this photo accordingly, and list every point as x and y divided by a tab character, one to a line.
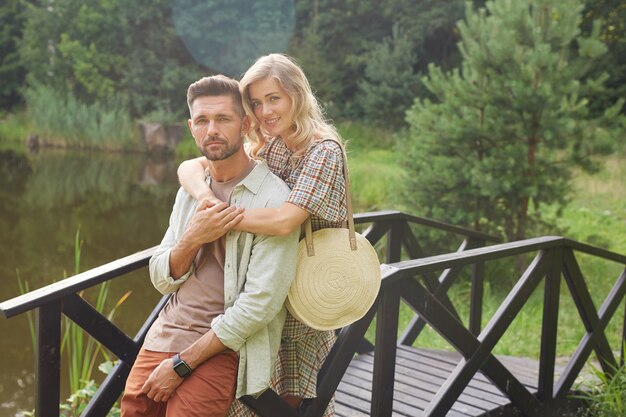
337	276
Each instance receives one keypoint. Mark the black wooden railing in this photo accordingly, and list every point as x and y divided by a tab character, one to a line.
554	259
421	282
62	297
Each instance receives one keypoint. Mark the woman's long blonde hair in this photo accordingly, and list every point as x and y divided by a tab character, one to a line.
306	113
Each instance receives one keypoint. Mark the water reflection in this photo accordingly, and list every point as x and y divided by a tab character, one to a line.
121	204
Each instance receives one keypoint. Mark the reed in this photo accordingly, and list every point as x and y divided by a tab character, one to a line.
14	127
82	352
62	120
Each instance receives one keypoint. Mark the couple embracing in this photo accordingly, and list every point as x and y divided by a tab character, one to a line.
229	254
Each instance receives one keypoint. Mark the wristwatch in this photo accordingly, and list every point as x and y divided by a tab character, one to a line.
181	367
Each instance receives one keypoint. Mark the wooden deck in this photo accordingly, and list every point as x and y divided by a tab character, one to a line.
418	376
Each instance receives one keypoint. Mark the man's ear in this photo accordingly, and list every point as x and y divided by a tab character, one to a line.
189	124
245	125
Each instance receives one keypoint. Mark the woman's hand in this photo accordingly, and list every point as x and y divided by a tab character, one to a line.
207	199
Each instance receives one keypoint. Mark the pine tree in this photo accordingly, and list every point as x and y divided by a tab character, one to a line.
390	83
11	70
504	130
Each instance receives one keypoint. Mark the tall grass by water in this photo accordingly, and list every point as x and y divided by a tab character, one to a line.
81	351
14	127
60	119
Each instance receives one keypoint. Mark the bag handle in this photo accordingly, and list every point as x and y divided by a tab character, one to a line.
308	229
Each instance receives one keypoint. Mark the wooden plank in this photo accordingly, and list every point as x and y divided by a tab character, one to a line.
100	328
392	215
108	392
423	386
471	256
74	284
590	340
419	373
586	308
482	395
408	407
459	337
592	250
449	360
442	365
359	382
345	398
480	381
360	374
549	330
342	410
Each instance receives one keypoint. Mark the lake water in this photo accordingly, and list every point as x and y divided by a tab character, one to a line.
120	204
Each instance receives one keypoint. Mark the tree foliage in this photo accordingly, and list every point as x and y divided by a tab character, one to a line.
96	49
612	15
334	40
390	82
11	70
503	130
146	52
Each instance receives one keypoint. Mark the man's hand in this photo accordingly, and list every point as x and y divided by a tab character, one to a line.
206	225
209	224
162	382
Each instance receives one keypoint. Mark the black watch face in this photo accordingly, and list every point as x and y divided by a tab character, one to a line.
182	369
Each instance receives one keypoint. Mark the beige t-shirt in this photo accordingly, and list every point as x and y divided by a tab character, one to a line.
189	312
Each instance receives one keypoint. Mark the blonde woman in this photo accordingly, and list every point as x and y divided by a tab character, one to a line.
290	133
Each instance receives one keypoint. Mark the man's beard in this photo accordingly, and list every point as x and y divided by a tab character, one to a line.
226	149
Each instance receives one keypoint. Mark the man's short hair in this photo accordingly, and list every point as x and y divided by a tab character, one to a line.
216	85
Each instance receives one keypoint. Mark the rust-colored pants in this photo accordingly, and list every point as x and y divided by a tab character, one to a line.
207	392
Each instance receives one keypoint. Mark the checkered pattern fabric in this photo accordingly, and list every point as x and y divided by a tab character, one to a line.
302	353
316	179
318	186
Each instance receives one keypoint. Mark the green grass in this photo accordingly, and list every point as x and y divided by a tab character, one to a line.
14	128
596	213
606	395
374	179
375	175
62	120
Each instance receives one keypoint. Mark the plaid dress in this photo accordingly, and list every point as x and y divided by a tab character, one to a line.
317	186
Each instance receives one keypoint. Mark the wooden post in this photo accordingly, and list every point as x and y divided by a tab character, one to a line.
385	353
48	367
549	328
